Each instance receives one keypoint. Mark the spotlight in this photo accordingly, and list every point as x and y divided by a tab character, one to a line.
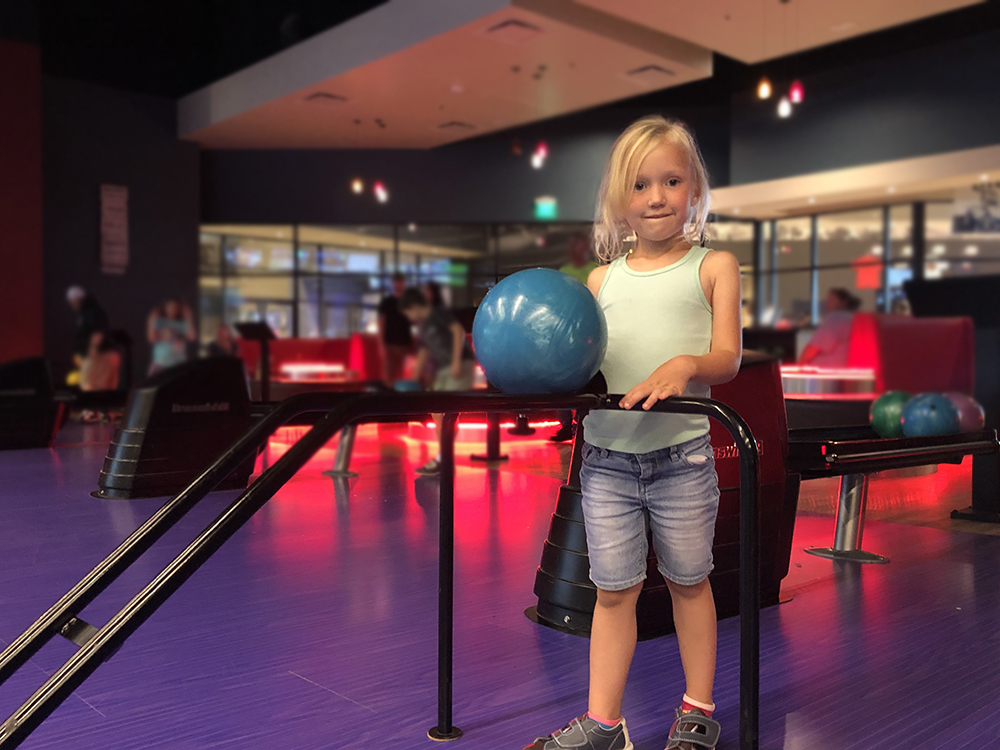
381	193
796	92
764	88
784	107
357	186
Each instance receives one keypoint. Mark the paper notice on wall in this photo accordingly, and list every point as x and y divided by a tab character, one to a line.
114	228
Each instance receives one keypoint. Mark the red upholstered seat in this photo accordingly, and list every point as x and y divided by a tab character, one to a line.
914	354
359	354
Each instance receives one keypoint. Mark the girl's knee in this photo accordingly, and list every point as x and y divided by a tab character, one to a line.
689	592
620	598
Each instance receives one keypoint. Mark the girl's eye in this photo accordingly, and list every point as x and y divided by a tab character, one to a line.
639	186
673	182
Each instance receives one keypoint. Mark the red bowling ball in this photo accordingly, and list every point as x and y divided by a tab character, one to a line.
970	412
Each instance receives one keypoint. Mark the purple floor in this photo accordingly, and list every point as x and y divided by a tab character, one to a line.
315	626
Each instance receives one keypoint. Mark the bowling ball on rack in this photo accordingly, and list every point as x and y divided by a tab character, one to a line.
885	414
971	416
539	331
930	414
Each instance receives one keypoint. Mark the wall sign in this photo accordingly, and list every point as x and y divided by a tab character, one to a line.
114	228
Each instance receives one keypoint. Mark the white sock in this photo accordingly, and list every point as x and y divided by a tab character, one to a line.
706	707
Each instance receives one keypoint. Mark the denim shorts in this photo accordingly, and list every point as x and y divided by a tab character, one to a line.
671	493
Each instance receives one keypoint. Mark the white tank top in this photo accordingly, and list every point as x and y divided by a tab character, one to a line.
653	316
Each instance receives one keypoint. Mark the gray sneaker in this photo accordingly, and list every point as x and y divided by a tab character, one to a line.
586	734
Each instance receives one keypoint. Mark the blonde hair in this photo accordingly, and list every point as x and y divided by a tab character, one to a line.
634	144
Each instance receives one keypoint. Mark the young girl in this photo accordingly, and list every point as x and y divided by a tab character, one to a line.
673	312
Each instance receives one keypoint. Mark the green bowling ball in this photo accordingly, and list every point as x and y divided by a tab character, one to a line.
886	412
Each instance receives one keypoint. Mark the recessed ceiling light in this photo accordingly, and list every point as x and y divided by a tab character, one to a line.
891	189
811	199
984	177
457	88
736	210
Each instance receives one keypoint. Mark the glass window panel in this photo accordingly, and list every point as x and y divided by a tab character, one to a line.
538	246
850	238
943	242
899	273
260	287
310	305
308	258
947	268
794	243
735	237
901	231
211	308
210	253
248	255
794	298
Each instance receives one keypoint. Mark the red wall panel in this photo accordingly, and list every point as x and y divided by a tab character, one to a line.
20	201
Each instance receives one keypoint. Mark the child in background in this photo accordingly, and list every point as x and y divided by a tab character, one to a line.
170	329
443	343
673	313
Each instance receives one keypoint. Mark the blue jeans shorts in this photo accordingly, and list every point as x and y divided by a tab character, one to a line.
673	493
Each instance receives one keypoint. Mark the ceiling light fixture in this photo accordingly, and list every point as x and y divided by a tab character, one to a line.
381	192
764	88
357	186
796	92
784	107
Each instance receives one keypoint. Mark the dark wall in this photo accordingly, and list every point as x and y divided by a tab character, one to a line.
19	20
95	136
927	101
20	201
473	181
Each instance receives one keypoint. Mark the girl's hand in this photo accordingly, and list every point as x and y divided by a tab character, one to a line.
669	379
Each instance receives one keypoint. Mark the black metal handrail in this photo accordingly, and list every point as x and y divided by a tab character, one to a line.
342	410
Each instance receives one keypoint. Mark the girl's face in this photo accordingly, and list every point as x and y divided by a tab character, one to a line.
172	309
663	194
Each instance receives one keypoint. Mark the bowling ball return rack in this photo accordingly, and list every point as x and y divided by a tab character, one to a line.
98	644
853	454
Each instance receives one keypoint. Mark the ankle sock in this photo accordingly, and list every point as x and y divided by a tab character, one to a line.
687	703
604	723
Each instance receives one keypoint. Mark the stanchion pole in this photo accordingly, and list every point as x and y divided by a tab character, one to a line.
444	731
492	440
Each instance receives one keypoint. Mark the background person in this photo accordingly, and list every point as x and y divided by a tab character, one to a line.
443	344
169	328
90	320
829	346
394	334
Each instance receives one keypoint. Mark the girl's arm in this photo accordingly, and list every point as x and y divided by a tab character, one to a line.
720	273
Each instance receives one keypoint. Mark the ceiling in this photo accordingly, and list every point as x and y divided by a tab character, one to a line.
422	73
921	178
756	30
419	73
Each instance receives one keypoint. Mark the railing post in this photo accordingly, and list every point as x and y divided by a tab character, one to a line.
492	440
444	731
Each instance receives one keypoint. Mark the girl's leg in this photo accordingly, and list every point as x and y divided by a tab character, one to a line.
612	643
694	618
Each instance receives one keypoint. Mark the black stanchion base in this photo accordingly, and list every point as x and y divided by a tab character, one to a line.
521	431
437	735
341	474
487	457
971	514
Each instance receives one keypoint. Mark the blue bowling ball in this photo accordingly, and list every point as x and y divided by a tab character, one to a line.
930	414
540	331
407	386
